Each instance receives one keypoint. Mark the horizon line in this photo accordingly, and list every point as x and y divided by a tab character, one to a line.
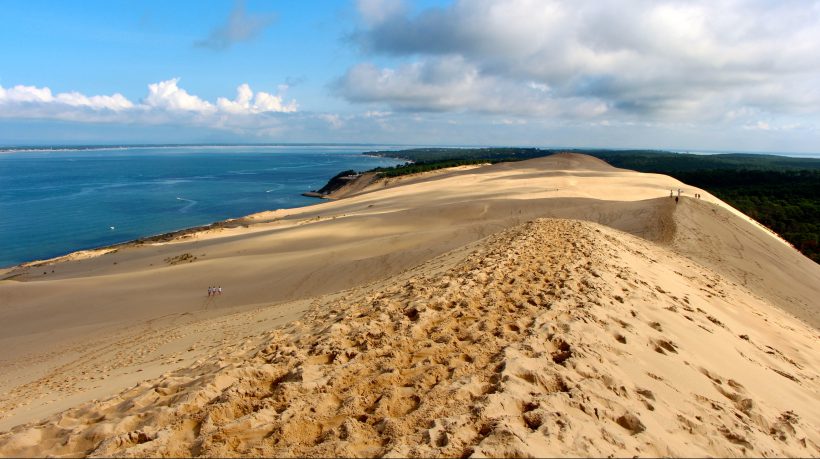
8	148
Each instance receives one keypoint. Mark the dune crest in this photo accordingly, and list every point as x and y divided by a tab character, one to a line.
555	337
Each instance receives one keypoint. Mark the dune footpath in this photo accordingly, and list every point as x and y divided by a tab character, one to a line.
430	318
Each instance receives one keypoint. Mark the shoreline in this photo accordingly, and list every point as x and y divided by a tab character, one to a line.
168	236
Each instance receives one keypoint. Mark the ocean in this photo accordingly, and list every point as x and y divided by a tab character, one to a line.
56	201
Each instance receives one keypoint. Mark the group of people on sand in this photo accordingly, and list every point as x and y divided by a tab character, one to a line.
214	291
672	193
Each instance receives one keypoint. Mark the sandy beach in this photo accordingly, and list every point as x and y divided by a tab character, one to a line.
555	306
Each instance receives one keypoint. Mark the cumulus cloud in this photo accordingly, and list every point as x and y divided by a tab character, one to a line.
661	59
33	95
165	101
167	95
245	103
239	27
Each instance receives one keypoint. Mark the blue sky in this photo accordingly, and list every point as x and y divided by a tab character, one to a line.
721	75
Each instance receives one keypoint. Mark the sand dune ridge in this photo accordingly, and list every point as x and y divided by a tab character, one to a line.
553	338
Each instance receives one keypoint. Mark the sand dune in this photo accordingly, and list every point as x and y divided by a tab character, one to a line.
433	322
553	338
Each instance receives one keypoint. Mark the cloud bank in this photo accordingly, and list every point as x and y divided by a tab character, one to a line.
21	95
663	60
165	101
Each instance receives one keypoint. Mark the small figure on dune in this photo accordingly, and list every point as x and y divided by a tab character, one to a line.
670	193
219	290
676	199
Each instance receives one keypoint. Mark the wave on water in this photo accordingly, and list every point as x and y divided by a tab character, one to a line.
56	149
301	166
173	181
185	208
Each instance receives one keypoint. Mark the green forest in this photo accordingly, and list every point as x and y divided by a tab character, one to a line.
779	192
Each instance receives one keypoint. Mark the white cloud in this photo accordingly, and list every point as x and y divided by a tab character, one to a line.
32	95
641	59
246	104
23	94
167	95
114	102
165	102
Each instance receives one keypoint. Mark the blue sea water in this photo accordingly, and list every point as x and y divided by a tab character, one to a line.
53	202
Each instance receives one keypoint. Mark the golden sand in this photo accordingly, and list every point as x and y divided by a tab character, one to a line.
434	316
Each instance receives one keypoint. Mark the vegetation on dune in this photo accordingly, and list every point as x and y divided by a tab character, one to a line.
430	159
780	192
426	166
668	162
337	181
437	155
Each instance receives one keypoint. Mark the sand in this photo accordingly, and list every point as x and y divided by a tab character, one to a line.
433	316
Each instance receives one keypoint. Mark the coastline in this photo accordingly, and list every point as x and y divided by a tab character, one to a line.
166	236
169	236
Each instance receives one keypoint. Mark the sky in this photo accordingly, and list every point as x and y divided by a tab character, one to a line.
720	75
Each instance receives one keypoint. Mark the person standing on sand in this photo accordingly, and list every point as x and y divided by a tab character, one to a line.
676	199
219	289
670	193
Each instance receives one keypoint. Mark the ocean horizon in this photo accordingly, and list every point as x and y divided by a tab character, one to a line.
58	200
363	147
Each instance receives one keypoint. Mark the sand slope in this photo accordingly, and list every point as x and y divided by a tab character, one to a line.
86	327
736	247
553	338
